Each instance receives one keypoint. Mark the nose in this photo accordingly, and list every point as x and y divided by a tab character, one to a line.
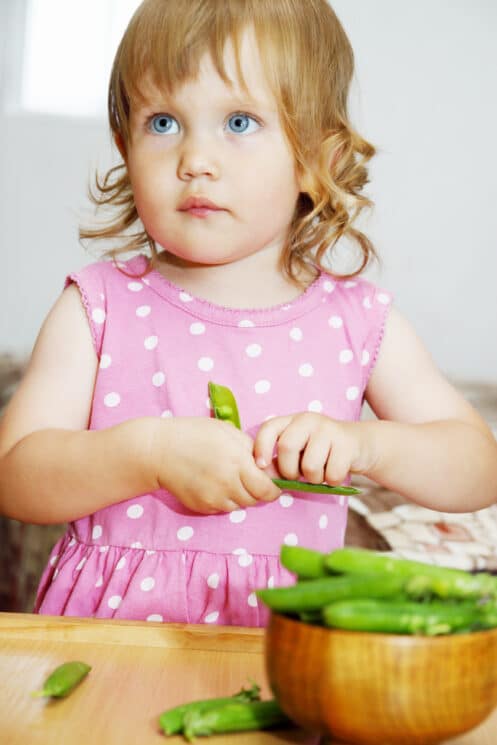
197	160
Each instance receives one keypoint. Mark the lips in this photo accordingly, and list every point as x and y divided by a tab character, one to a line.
198	203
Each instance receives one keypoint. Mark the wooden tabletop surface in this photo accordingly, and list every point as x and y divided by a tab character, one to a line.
138	671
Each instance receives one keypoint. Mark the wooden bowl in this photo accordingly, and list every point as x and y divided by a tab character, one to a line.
381	689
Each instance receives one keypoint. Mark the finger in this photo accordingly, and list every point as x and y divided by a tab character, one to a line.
315	458
266	438
258	484
291	444
338	466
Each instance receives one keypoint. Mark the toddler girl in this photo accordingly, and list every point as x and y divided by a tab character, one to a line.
240	170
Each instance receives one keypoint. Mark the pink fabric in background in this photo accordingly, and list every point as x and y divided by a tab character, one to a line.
150	558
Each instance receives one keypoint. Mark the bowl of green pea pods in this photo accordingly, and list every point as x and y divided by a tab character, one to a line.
371	649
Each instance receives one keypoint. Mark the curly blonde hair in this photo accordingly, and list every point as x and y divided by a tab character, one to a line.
309	63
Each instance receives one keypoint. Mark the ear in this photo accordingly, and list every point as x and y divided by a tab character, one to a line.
119	142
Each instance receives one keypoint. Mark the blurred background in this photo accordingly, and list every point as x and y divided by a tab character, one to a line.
423	94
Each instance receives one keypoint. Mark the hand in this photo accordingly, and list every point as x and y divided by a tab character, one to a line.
208	465
320	449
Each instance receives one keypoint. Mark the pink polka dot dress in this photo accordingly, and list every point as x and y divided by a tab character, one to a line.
149	557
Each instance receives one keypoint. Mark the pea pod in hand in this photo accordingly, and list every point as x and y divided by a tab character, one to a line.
63	680
225	407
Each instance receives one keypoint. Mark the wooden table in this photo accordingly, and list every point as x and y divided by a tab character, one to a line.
138	670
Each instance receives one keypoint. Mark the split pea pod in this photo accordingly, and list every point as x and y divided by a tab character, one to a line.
423	578
172	721
392	617
234	717
314	594
63	680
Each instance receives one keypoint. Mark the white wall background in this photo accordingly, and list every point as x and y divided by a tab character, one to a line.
425	95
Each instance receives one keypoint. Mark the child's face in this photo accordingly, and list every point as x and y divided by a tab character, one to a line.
202	142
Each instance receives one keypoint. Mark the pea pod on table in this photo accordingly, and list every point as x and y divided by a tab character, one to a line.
63	679
234	717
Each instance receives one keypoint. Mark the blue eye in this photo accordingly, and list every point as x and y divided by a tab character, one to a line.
161	124
242	122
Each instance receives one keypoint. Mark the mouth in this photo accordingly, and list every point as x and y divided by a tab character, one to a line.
199	207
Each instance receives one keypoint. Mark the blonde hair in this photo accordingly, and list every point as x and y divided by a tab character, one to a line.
309	63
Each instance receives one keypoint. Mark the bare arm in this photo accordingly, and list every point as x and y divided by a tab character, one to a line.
436	449
51	468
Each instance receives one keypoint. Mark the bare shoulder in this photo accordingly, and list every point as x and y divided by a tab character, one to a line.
56	390
407	386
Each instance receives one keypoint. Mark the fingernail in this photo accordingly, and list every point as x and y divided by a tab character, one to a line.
261	462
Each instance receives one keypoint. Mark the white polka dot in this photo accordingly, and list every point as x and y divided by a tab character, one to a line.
112	399
239	551
105	361
342	499
143	311
205	364
383	298
367	302
262	386
151	342
212	617
335	322
185	533
296	334
135	511
166	414
246	324
306	370
149	552
96	533
286	500
323	522
253	350
349	283
315	406
352	393
147	584
286	307
55	574
103	549
245	560
114	601
252	600
185	297
98	315
155	617
135	286
290	539
364	357
328	286
99	582
158	379
136	544
102	296
346	356
197	329
121	563
238	516
54	559
81	564
270	582
213	580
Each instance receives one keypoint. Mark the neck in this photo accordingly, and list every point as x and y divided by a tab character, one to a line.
254	281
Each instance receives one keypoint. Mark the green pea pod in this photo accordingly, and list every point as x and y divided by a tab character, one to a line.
424	578
234	717
304	562
63	680
314	594
393	617
225	407
224	404
172	721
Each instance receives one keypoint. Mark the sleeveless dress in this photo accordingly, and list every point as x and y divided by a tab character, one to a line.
149	557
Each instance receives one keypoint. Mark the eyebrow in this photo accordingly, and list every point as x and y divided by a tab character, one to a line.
226	103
